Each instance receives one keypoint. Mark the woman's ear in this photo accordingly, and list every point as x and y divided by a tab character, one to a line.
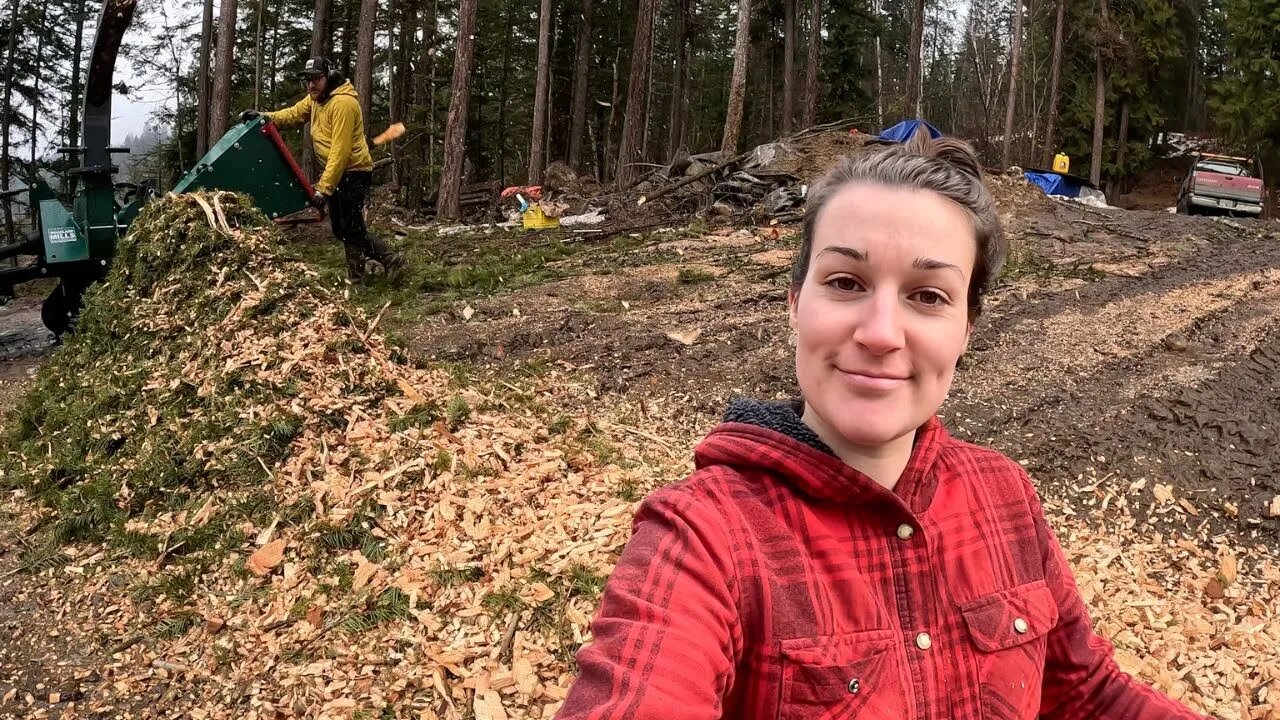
793	298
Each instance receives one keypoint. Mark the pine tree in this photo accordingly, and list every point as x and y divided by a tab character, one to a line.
1246	100
456	126
738	81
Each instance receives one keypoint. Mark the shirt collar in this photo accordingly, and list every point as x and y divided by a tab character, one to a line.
771	437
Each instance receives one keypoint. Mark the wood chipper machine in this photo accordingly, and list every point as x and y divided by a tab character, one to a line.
75	244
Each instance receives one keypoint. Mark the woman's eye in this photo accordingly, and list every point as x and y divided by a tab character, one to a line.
846	284
929	297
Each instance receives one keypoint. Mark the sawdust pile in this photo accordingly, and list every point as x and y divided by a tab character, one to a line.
1016	196
272	512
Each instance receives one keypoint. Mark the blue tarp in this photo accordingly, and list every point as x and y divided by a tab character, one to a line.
1055	184
905	129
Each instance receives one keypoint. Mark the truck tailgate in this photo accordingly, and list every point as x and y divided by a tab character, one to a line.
1227	186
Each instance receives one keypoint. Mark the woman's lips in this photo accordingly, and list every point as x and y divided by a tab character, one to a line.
873	380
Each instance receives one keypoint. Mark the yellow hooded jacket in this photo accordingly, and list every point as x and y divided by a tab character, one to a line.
337	132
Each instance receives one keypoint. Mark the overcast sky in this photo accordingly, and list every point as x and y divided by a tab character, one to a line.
130	116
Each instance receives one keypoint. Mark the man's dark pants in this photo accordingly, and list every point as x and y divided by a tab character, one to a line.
346	212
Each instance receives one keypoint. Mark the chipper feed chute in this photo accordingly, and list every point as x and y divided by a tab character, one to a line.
253	159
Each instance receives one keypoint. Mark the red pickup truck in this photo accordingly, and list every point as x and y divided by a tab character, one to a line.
1221	184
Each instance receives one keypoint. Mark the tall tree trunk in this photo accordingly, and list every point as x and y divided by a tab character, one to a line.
220	108
633	123
615	99
1055	71
581	78
811	65
915	97
679	78
738	82
275	54
537	144
399	57
4	119
1099	96
204	86
648	104
879	71
455	131
364	58
321	37
321	46
77	60
349	36
1015	68
788	65
1122	144
1193	70
41	31
502	99
427	98
257	57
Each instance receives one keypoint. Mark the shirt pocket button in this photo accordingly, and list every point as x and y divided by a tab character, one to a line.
854	686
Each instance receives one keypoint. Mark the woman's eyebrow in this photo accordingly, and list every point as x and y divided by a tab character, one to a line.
923	263
851	253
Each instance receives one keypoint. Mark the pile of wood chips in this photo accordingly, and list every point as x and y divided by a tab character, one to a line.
1197	616
489	532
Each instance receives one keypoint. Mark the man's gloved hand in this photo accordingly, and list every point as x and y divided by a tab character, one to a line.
248	115
319	200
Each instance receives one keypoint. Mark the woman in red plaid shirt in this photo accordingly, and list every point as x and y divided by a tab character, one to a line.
843	556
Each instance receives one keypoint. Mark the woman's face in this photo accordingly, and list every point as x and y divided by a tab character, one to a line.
882	316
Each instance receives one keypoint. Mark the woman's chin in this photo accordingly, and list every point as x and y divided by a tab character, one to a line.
868	424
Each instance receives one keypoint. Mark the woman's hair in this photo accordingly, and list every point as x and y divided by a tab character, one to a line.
946	166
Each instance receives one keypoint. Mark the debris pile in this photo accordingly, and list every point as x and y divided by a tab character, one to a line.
285	515
769	181
1016	195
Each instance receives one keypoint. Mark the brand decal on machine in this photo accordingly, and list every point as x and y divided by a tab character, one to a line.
62	235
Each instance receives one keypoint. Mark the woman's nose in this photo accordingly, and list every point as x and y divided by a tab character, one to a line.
879	326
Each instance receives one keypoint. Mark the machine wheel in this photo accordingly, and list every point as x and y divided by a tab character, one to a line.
59	311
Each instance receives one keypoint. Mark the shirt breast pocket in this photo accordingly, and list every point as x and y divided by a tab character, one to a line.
844	676
1009	630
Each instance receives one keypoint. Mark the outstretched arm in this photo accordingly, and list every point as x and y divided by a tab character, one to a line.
1081	677
295	114
666	636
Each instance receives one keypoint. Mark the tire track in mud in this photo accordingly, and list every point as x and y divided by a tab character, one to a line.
1184	394
1214	444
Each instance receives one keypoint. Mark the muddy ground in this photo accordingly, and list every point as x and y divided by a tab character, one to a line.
1130	343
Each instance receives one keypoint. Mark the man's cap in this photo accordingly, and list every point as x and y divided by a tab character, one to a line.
314	66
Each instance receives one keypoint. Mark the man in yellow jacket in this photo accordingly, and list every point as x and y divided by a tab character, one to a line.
337	133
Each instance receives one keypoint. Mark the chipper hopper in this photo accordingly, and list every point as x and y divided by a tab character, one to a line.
75	244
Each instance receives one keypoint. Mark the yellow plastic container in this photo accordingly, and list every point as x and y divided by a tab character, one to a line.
535	219
1061	164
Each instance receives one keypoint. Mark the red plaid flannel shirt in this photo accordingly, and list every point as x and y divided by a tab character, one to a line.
777	582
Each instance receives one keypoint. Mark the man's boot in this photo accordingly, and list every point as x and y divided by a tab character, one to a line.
355	263
392	262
